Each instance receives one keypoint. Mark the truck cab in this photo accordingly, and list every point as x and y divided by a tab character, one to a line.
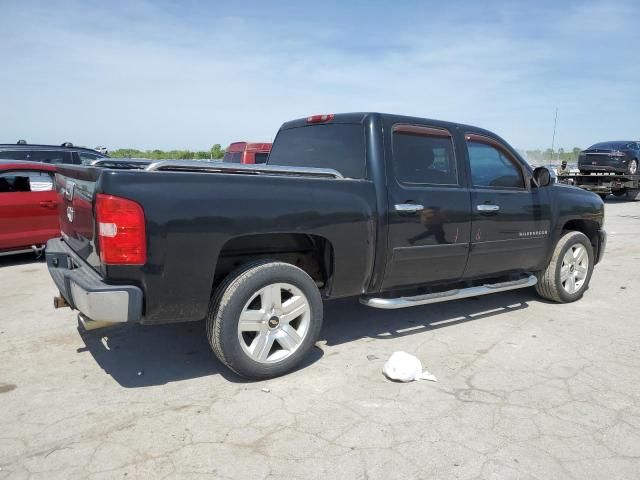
247	153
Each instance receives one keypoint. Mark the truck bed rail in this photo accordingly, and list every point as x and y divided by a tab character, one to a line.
220	167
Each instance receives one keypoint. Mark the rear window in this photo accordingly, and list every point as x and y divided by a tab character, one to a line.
338	146
232	157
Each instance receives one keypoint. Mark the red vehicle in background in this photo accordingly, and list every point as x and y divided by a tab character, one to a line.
248	153
28	206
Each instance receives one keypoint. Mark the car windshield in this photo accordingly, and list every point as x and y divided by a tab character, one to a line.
610	146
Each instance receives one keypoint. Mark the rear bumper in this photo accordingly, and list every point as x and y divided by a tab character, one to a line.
85	291
618	167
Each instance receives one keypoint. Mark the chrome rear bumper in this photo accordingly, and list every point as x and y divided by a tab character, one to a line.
85	290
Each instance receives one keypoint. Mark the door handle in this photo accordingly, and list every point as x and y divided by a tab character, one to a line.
48	204
486	208
408	207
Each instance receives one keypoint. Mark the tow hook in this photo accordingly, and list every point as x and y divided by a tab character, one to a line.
60	302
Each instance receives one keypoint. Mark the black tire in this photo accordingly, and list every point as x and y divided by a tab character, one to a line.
633	194
632	167
231	297
603	196
619	193
549	284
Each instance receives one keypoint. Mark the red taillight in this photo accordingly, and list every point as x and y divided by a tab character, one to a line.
121	232
320	118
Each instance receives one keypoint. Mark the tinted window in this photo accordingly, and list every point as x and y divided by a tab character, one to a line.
13	155
50	156
337	146
26	181
261	157
232	157
491	168
424	159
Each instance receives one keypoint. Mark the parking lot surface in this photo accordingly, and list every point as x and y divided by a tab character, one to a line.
526	389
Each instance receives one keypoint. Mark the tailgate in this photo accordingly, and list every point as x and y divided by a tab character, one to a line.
75	186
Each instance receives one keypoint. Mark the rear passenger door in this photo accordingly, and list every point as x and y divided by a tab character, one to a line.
510	220
429	208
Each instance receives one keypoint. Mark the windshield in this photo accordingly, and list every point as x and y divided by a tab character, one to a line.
338	146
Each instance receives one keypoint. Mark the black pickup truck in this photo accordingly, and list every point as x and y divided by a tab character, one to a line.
397	210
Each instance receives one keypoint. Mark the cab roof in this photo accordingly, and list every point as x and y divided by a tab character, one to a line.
33	146
363	117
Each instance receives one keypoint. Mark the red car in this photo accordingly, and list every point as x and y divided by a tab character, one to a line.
28	206
243	152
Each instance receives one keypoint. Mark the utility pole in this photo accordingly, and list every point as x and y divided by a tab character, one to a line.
553	140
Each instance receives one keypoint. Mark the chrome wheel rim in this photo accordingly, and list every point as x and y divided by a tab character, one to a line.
574	269
633	167
274	323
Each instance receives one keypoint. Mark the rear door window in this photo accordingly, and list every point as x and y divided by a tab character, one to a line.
26	181
50	156
337	146
424	155
14	155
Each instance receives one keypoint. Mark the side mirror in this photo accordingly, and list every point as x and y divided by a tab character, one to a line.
542	176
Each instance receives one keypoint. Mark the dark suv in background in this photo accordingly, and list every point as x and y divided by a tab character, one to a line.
611	157
65	153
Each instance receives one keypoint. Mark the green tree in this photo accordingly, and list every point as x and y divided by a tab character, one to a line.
217	152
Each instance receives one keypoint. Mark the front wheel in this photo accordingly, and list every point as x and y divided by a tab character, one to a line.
264	319
567	276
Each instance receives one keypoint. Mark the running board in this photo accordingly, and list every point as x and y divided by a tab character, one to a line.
404	302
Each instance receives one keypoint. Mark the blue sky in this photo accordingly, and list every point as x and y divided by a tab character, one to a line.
187	74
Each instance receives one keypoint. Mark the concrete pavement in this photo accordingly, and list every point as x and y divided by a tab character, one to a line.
527	389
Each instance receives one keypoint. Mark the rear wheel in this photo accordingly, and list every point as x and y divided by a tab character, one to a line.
567	276
264	319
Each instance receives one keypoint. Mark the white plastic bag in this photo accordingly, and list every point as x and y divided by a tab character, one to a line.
404	367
